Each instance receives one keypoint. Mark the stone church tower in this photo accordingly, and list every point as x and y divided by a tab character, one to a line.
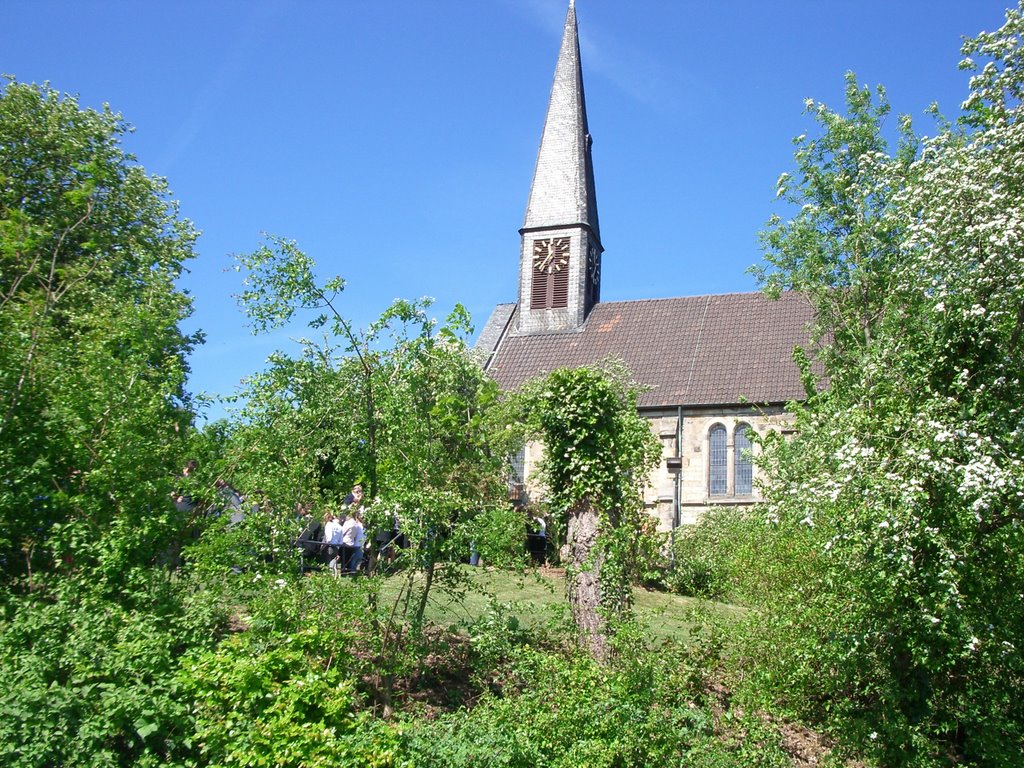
560	257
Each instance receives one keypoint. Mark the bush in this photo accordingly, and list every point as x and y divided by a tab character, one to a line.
898	501
86	681
709	559
289	705
651	710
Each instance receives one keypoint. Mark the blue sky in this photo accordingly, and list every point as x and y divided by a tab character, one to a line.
395	141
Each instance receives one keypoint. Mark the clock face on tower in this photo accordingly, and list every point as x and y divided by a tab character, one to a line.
551	255
550	280
593	265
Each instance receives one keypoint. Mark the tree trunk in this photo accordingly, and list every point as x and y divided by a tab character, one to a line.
428	581
583	580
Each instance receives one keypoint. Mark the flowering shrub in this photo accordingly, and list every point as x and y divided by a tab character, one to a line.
900	503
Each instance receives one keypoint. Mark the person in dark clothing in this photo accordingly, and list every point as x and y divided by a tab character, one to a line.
536	538
310	540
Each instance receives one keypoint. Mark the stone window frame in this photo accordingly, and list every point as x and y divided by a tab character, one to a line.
741	461
724	460
718	460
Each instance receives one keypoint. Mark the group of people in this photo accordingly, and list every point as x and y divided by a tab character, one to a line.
337	540
345	535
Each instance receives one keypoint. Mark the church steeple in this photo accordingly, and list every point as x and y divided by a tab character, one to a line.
560	268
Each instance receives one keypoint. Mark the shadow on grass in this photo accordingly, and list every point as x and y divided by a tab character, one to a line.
536	597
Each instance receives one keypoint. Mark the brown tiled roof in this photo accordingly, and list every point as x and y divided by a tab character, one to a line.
690	351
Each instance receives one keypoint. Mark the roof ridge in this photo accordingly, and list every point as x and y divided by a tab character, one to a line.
695	297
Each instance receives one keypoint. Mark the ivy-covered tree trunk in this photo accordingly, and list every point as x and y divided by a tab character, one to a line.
584	578
598	452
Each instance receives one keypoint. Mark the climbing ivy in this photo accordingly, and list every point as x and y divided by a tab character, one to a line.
598	454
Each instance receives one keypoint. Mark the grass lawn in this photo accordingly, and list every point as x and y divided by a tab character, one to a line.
538	596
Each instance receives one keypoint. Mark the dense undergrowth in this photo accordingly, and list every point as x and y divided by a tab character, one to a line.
288	670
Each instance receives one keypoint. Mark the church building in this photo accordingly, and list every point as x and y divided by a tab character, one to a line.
713	369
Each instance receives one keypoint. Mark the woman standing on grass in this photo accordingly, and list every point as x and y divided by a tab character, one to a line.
353	536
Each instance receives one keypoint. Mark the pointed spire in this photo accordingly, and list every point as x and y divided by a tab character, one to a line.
562	192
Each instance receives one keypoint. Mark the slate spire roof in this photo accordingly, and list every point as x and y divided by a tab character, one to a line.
563	191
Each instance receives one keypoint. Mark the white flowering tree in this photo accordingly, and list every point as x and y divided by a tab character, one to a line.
899	505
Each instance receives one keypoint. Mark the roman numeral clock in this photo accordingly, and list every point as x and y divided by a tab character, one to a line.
550	273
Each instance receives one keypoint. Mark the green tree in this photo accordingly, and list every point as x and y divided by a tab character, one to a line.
402	405
843	246
898	505
92	364
93	416
598	453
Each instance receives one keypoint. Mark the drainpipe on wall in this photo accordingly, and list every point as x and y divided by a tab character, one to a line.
678	490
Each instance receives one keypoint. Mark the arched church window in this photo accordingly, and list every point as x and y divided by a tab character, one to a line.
718	461
517	477
744	464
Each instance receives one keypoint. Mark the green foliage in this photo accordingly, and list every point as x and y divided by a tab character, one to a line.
285	705
290	688
92	365
86	681
645	554
598	453
494	635
566	713
574	711
497	534
595	445
262	542
842	247
712	558
898	505
402	405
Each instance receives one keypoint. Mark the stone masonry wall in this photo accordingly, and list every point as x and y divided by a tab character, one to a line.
692	477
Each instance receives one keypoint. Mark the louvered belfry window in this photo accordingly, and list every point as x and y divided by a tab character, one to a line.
550	273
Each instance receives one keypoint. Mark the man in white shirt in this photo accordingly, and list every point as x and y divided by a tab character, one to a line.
353	535
333	532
